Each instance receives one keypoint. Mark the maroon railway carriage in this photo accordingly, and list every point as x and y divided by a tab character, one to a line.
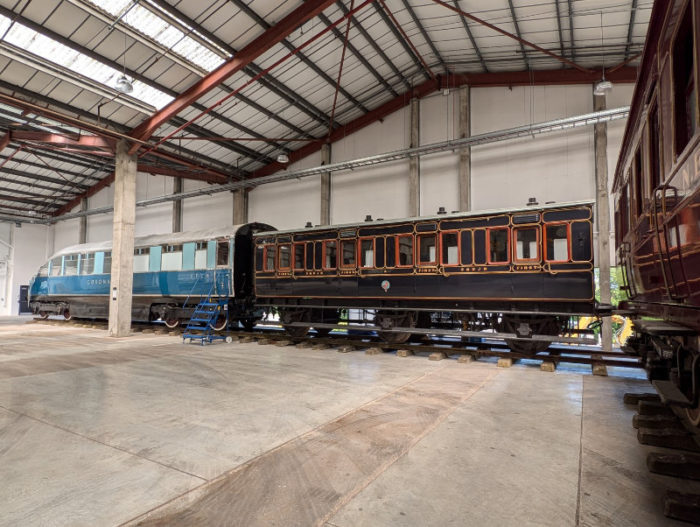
657	186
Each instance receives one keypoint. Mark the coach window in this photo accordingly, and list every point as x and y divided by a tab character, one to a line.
70	265
466	246
367	252
330	259
284	262
498	246
222	253
638	182
405	250
107	262
449	242
44	270
526	244
684	90
259	254
56	266
347	248
427	254
269	258
557	242
141	259
298	256
654	149
390	252
200	254
310	256
171	259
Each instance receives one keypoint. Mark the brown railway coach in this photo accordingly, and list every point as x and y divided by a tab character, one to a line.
528	270
657	186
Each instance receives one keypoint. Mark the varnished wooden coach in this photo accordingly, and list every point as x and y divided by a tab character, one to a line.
527	270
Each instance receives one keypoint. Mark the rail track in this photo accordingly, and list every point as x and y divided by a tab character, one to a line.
436	344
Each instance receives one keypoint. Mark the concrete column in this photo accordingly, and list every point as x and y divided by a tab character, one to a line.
240	206
326	186
177	206
603	216
414	162
122	278
82	228
465	154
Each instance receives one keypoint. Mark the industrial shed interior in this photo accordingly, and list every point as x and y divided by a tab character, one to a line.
168	163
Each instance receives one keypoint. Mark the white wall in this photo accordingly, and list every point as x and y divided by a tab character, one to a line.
551	167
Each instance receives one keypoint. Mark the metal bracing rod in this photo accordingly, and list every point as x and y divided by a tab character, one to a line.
417	61
270	82
340	69
561	35
375	46
358	55
471	39
423	32
572	46
630	28
517	32
300	55
556	125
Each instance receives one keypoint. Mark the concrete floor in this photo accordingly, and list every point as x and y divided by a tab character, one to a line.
147	431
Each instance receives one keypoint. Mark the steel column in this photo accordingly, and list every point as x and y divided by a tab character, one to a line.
465	153
414	161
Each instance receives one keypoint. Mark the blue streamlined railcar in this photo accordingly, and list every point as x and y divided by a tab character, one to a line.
171	273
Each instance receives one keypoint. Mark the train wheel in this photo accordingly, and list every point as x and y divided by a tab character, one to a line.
171	322
390	320
327	317
248	323
43	315
220	323
692	367
289	316
538	325
67	314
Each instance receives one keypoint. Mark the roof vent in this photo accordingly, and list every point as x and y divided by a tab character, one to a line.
368	217
308	225
380	219
442	210
532	202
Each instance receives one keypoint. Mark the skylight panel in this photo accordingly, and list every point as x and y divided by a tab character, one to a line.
47	48
150	24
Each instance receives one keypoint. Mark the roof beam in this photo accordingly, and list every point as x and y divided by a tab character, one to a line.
424	33
471	39
561	35
407	39
298	54
510	35
38	177
359	56
269	81
245	56
630	28
517	32
572	46
380	11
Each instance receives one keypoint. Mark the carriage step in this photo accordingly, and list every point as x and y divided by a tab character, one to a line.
670	394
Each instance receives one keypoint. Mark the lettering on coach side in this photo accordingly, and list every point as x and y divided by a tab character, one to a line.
98	281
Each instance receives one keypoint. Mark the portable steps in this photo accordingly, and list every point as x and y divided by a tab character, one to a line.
201	325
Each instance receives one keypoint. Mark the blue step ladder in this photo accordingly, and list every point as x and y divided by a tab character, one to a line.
200	327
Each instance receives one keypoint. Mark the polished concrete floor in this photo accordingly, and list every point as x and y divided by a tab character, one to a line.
147	431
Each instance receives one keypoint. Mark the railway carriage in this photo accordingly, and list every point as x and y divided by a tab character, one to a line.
171	273
657	186
523	271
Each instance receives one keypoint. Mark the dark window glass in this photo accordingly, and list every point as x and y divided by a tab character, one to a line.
331	255
348	248
581	241
684	82
391	251
450	248
557	243
367	253
624	215
406	250
318	257
222	253
299	256
285	256
526	246
654	152
309	256
498	245
638	183
269	257
479	246
259	252
427	249
379	249
466	247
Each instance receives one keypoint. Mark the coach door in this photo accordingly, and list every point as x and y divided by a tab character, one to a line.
670	240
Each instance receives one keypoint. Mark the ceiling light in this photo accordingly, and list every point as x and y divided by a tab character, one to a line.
124	84
283	158
603	87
